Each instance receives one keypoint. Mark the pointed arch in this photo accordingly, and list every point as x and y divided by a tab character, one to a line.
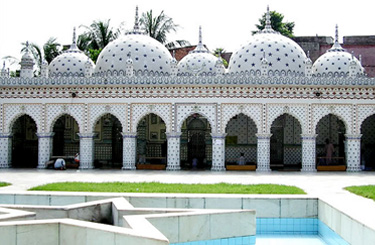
179	126
143	115
19	115
99	116
57	117
347	128
225	123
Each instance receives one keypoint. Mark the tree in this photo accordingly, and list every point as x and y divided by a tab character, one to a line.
96	37
51	49
218	52
285	28
158	27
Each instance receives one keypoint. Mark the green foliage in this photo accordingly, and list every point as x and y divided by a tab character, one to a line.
155	187
51	49
97	35
285	28
2	184
94	54
159	26
367	191
219	51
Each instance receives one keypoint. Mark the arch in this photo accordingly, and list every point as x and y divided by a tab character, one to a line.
334	114
368	142
285	142
179	126
225	123
99	116
277	115
364	119
333	128
241	141
141	116
65	140
17	116
108	142
60	115
151	140
196	142
24	142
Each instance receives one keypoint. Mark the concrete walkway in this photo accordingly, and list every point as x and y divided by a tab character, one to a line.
328	186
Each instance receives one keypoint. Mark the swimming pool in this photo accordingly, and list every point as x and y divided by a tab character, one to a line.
283	231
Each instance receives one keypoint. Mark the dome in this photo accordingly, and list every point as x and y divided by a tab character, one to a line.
284	56
336	62
147	54
199	61
70	63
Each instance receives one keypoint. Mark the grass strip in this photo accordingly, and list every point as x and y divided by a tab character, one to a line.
2	184
367	191
156	187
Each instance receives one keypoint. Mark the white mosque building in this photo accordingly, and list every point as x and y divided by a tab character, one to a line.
139	106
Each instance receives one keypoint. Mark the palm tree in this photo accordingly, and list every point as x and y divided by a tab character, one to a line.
158	27
51	49
96	37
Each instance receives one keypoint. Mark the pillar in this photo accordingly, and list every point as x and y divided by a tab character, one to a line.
45	141
5	150
308	152
218	152
129	150
173	160
86	150
353	152
263	152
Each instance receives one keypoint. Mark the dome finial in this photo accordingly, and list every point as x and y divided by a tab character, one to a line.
136	22
200	48
268	24
268	18
336	47
74	35
308	54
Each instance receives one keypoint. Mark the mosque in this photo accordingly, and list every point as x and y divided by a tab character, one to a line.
137	108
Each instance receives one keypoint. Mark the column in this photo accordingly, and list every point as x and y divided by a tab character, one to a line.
353	152
45	141
129	150
173	160
263	152
86	150
308	152
218	152
5	150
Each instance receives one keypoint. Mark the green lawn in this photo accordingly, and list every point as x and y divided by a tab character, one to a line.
367	191
2	184
155	187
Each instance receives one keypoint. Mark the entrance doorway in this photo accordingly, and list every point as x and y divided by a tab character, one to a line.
24	143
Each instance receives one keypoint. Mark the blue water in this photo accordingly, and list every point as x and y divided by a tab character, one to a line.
284	231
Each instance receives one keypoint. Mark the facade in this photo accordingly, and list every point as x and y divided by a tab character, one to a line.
138	105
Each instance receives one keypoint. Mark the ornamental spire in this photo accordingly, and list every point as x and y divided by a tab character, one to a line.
136	22
336	47
74	40
268	26
268	18
200	48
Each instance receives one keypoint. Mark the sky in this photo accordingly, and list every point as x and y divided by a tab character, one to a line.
225	24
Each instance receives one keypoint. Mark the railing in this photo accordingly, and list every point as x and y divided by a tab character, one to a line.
226	79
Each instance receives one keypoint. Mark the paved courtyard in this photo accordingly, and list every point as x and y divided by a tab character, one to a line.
326	185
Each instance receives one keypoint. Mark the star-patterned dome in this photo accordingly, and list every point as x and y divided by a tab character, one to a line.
336	62
147	54
70	63
199	61
284	56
